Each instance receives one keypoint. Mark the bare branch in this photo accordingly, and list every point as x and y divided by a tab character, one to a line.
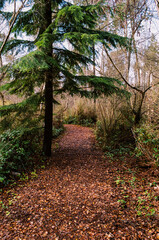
3	74
157	5
124	79
120	72
155	76
11	23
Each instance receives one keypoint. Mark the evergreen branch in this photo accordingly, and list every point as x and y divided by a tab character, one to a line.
15	15
101	85
2	4
18	45
31	102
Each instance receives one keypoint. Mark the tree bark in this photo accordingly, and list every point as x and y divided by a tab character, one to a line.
138	113
48	115
48	84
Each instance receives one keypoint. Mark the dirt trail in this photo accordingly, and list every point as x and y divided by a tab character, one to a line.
74	198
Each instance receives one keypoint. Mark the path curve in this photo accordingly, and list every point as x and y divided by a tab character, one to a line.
74	198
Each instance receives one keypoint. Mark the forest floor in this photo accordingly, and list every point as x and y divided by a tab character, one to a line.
83	194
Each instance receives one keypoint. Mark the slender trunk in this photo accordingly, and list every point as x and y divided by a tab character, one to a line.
11	24
1	62
102	62
2	97
138	113
137	64
94	73
48	85
157	5
94	60
48	115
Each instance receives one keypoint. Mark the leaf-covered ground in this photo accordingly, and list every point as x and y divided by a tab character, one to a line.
83	194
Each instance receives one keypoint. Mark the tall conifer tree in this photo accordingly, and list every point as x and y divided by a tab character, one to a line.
50	62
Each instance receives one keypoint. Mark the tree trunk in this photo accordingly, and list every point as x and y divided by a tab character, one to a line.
94	73
48	117
138	113
48	85
138	116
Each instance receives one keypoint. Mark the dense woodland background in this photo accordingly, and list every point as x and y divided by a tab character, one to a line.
93	63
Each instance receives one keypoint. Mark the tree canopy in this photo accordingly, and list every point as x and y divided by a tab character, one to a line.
60	41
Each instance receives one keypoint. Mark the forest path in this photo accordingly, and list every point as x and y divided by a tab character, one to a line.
76	197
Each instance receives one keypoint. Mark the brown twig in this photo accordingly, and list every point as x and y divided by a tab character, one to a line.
11	24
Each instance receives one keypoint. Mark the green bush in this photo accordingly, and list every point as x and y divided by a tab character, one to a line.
85	115
80	120
70	120
57	131
99	132
16	149
82	113
147	143
120	140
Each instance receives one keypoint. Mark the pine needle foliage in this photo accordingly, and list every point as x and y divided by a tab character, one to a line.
57	54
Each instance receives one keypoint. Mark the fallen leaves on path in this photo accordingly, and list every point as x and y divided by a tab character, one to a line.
83	195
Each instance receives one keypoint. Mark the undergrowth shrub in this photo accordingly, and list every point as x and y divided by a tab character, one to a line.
82	113
16	149
147	143
119	142
57	131
113	128
58	127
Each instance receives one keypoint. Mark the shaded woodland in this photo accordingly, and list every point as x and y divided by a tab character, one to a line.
79	119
